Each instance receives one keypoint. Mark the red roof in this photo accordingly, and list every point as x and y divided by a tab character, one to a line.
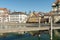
57	1
36	14
3	9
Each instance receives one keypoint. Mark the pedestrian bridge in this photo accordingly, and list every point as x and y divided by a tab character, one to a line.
21	27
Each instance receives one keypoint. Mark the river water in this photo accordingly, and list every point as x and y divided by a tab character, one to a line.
25	36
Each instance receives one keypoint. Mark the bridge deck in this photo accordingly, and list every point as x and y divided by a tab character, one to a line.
17	27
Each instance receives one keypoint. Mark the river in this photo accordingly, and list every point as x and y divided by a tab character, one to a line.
25	36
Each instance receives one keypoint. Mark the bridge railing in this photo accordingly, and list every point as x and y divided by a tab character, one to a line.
24	25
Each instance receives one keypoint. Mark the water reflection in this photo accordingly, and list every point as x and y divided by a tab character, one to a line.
25	36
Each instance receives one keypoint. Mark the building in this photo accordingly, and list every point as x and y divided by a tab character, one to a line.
56	10
6	16
46	18
19	17
3	11
34	17
3	14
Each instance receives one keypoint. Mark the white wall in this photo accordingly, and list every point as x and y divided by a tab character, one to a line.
17	18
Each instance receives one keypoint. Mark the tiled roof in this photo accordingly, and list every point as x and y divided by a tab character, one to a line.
36	14
3	9
57	1
47	14
17	13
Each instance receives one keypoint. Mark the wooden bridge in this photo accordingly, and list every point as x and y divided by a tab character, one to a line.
19	27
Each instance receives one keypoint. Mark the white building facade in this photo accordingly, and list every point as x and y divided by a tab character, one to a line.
4	15
18	17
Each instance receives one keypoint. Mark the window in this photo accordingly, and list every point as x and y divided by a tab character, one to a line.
20	19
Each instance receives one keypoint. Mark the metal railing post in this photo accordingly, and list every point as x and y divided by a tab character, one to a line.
51	28
39	21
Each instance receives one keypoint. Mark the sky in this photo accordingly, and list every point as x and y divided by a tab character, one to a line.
27	5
